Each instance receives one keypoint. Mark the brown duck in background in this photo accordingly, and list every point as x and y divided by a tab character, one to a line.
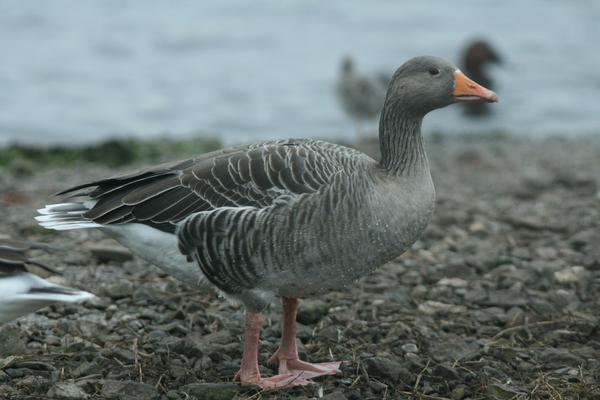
475	58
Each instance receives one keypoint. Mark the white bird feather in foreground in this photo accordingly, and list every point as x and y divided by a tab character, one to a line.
22	292
288	218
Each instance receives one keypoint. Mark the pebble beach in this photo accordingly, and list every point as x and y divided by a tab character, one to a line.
500	298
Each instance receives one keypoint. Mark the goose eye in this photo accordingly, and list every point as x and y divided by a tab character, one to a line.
434	71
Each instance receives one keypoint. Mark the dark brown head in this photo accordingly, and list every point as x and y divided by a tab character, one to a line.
423	84
478	53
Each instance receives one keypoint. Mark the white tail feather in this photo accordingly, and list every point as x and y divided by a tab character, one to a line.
65	216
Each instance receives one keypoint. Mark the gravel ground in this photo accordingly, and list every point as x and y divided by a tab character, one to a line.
500	299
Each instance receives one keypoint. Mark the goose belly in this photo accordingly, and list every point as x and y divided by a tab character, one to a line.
158	248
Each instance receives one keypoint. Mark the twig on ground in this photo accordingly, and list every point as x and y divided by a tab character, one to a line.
526	326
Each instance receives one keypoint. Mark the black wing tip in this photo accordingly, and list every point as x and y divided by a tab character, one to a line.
75	188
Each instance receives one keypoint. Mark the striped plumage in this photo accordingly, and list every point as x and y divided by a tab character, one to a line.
286	218
22	292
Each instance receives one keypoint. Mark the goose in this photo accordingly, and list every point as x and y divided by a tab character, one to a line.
22	292
476	56
281	219
360	96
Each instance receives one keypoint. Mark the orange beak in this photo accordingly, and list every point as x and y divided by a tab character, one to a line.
468	91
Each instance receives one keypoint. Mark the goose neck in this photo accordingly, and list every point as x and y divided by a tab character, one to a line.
401	143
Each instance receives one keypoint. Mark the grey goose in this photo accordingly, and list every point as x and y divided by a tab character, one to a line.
287	218
22	292
361	96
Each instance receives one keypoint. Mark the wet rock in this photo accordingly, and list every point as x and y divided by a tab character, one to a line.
389	371
128	390
215	391
67	391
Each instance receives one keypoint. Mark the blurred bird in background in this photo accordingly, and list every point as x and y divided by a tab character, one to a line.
21	291
361	96
475	60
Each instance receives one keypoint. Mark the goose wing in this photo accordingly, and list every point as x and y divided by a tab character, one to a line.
246	176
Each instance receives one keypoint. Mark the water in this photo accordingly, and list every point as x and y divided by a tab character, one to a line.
76	71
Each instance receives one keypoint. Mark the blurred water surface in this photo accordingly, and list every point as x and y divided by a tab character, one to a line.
75	71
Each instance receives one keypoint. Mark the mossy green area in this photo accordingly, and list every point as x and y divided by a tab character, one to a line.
112	152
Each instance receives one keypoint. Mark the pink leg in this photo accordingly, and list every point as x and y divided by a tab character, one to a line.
287	354
249	372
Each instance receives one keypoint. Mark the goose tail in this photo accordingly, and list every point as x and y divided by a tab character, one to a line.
66	216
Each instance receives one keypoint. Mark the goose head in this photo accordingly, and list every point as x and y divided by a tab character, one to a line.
423	84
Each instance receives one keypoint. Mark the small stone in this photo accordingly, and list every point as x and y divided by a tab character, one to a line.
453	282
52	340
498	391
66	391
189	347
431	307
311	312
506	298
119	290
419	292
85	369
558	358
389	371
575	274
214	391
446	372
128	390
410	348
584	238
122	354
331	332
173	395
458	393
337	395
108	253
